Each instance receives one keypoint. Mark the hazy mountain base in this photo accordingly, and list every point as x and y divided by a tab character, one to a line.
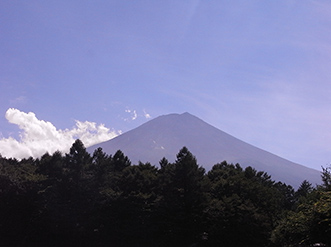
165	135
103	200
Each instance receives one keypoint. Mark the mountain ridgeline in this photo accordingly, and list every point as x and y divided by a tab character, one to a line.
165	135
99	198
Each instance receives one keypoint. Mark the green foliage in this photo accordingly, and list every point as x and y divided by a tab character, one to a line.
309	224
120	161
326	178
77	161
183	199
244	205
79	199
310	221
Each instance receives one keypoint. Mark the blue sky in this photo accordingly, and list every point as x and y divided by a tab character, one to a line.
258	70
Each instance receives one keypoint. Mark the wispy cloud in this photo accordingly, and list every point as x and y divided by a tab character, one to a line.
192	8
146	115
19	100
133	114
39	136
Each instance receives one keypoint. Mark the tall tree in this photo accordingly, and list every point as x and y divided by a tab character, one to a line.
120	161
326	178
183	199
77	160
304	190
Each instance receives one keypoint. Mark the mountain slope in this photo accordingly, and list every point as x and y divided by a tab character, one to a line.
164	136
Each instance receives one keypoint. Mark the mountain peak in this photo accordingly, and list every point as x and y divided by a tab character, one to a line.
176	115
165	135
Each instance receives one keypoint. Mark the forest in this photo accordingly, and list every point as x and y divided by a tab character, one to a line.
82	199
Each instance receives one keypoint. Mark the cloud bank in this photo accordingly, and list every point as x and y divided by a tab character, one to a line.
39	136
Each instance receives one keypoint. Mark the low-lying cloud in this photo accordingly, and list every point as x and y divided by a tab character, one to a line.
39	136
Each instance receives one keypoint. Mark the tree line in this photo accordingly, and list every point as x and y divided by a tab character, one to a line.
78	199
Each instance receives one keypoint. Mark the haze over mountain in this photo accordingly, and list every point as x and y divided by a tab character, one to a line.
164	136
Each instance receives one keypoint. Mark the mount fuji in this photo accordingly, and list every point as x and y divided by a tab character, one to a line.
164	136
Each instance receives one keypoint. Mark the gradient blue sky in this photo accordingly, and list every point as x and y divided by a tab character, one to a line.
259	70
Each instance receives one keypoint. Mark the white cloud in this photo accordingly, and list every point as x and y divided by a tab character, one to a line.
39	136
146	115
133	114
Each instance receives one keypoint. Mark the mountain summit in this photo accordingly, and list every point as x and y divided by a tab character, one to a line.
164	136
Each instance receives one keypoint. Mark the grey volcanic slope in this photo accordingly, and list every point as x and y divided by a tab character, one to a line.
164	136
